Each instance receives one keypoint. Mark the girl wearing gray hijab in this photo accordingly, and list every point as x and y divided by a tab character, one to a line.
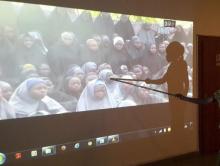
95	96
89	67
31	97
75	71
112	86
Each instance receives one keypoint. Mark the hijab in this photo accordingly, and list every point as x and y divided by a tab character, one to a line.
112	86
89	67
25	105
88	101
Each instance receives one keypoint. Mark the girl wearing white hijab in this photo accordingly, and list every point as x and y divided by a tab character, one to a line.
118	39
30	98
95	96
112	86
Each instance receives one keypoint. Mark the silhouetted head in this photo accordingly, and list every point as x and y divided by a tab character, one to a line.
174	51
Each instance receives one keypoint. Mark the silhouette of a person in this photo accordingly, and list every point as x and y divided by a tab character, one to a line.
176	76
177	81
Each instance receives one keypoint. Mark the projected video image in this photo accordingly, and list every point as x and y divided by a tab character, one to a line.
57	60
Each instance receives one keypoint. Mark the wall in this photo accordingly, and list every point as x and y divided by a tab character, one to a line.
155	8
207	18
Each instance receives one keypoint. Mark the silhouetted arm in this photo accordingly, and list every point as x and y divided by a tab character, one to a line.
158	81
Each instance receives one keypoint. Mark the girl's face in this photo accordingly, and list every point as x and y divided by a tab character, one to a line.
138	72
106	41
146	71
44	70
7	92
68	40
28	42
39	91
137	44
99	92
93	46
153	49
74	84
119	45
124	69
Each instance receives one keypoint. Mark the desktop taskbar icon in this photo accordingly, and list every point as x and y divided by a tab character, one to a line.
34	153
101	141
18	155
112	139
49	150
2	158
